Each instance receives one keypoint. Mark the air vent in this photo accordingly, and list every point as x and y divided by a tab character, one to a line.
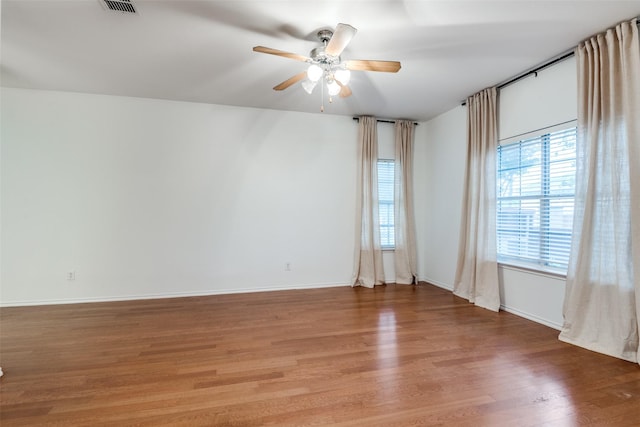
125	6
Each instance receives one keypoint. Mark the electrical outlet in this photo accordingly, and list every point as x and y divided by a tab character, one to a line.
71	275
287	266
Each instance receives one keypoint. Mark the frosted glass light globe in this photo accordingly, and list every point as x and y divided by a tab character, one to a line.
308	86
314	73
333	88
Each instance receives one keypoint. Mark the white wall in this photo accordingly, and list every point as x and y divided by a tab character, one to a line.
445	156
420	200
144	198
537	102
530	104
535	296
148	198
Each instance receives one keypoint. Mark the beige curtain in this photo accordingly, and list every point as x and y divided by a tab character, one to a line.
405	235
368	270
602	298
477	271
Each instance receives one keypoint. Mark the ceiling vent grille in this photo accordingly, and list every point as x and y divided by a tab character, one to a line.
119	5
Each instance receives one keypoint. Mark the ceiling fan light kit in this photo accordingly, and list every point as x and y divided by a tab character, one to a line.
314	72
308	85
326	64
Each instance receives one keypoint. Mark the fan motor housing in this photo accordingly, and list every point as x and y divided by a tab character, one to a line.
325	35
318	55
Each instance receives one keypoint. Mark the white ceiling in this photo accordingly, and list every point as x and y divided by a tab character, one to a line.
201	50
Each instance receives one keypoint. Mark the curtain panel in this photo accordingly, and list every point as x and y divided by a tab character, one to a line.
405	234
602	295
476	276
368	269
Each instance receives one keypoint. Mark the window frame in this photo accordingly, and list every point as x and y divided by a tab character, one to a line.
390	228
543	263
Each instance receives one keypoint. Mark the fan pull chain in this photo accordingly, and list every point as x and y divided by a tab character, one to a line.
322	97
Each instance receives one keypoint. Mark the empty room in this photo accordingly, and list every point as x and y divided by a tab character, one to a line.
349	213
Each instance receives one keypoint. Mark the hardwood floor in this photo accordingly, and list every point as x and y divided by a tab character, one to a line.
395	355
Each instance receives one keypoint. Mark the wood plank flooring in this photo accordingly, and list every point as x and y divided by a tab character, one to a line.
391	356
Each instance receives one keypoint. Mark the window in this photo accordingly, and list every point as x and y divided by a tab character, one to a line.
536	186
386	171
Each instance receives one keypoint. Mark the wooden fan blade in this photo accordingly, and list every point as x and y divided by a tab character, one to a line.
290	81
344	90
340	39
369	65
277	52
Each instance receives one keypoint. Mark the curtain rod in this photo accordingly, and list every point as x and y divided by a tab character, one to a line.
534	70
559	58
357	119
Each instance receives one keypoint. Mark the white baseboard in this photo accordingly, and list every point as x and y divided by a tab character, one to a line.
436	283
531	317
511	310
170	295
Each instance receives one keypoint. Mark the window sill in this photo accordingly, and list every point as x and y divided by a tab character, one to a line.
388	249
540	271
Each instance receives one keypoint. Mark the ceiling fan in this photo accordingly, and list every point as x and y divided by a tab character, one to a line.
326	64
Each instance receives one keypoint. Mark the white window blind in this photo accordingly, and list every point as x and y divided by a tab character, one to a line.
535	195
386	171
